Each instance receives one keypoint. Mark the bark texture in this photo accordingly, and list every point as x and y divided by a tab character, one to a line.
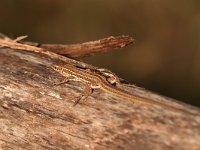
35	114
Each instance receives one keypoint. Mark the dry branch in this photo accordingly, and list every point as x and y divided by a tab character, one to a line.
89	48
35	114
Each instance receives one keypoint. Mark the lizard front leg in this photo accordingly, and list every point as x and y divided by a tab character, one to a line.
65	80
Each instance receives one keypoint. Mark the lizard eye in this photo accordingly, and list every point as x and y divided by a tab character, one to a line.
55	67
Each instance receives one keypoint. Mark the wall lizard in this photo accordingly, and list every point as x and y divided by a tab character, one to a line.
94	80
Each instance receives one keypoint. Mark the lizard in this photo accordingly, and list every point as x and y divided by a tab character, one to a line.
94	81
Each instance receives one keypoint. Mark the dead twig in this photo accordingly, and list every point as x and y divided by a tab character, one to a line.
83	49
89	48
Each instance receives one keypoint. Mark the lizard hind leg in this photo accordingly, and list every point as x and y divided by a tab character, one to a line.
87	92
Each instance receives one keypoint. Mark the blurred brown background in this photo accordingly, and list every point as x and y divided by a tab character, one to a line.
166	54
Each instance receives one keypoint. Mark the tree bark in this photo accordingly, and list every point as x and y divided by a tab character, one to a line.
35	114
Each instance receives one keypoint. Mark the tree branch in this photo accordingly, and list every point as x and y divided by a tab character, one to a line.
89	48
35	114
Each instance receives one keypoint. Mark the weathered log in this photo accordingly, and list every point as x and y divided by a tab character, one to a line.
35	114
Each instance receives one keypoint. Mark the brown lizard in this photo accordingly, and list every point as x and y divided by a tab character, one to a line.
94	80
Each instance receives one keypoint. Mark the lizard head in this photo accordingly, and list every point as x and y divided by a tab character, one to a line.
55	67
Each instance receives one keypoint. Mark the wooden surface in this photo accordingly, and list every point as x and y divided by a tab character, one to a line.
35	114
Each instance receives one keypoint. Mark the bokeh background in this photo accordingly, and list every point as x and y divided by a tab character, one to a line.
166	55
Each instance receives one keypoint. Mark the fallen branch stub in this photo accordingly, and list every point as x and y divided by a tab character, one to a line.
35	114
